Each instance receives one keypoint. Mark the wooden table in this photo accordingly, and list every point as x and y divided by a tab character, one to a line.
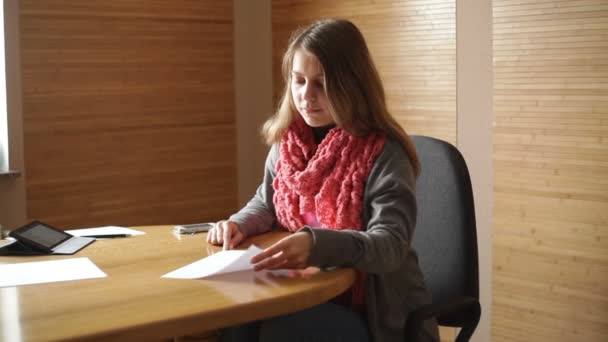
135	303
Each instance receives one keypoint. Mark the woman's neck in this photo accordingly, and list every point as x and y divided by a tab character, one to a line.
320	132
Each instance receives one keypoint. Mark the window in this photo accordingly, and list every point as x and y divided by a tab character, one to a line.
3	113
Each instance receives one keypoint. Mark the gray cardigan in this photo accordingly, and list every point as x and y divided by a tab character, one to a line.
394	284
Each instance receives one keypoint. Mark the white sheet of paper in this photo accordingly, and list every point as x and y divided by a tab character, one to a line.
38	272
221	262
108	230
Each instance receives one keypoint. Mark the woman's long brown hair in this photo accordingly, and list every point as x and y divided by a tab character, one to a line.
353	86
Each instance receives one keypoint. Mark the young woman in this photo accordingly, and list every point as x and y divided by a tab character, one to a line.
340	176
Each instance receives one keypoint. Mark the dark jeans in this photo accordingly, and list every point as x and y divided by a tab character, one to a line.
325	322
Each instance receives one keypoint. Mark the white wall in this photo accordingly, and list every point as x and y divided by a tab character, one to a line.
253	85
12	188
475	116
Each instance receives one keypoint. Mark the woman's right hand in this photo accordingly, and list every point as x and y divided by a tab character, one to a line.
225	233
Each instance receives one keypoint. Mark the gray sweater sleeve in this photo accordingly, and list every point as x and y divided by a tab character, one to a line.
389	217
258	216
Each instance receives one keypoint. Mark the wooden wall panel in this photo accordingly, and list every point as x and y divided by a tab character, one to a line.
550	263
413	44
128	111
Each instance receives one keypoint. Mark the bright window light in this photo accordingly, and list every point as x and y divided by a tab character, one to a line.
3	114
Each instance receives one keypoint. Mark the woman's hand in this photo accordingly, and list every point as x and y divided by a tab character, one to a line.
291	252
225	233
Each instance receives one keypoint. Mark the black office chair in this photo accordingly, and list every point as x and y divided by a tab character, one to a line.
446	240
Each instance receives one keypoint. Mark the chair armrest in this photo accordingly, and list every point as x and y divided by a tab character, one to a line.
468	309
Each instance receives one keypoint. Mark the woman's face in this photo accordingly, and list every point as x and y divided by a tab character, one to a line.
307	89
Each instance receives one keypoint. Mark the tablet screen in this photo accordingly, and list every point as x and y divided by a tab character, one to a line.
43	235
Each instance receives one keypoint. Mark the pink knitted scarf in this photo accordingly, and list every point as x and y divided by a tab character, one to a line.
325	181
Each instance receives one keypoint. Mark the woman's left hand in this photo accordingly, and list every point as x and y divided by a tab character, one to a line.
291	252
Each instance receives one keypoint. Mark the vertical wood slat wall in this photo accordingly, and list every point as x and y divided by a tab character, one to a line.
128	111
550	279
413	44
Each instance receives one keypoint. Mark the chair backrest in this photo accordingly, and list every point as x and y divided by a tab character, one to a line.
446	236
